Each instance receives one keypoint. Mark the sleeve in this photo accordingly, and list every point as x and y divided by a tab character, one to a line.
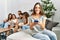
29	19
44	18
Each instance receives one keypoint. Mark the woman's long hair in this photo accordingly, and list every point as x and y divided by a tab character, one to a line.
41	9
9	18
26	16
13	15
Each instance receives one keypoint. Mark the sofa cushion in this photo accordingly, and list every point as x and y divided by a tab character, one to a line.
21	36
51	24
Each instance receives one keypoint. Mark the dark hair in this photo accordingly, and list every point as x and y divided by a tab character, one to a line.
13	15
20	12
41	12
9	16
26	16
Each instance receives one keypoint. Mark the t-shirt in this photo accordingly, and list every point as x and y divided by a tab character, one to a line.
20	20
37	28
6	25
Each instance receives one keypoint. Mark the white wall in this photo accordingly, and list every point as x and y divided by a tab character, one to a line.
13	6
2	9
57	13
23	5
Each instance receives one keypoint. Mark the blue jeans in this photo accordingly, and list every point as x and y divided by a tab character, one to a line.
51	34
2	25
24	27
41	36
45	35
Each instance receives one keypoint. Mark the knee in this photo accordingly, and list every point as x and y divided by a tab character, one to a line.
54	36
42	37
50	33
46	37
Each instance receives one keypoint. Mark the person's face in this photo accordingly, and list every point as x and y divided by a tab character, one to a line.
37	9
19	13
23	16
13	17
10	16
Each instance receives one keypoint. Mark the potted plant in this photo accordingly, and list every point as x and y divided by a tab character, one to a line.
48	8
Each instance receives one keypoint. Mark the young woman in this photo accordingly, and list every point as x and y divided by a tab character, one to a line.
14	19
19	14
14	23
25	18
37	24
8	21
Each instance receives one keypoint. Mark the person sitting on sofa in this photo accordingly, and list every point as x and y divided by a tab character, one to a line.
24	21
8	22
14	23
3	23
37	24
25	18
19	14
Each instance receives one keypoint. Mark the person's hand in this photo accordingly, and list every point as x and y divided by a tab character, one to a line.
35	22
39	23
21	24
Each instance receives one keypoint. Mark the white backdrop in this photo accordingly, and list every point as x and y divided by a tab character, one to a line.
2	9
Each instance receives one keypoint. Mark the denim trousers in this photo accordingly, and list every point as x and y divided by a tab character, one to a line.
45	35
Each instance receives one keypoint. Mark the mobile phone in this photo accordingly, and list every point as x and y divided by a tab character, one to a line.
35	20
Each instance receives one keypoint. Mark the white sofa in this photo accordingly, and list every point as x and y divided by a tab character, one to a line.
21	36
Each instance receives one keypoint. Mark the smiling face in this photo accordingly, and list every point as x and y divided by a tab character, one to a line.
19	12
37	9
14	16
10	16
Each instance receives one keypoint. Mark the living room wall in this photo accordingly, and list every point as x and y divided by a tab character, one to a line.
2	9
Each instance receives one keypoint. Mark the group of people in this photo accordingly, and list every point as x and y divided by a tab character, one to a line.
34	22
16	22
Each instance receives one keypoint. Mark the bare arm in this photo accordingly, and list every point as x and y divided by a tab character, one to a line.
42	24
31	25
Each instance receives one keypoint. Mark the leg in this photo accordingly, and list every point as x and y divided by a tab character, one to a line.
51	34
41	36
25	27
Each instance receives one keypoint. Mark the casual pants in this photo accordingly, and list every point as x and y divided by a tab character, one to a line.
45	35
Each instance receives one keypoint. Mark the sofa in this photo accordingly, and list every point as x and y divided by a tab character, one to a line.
50	24
25	36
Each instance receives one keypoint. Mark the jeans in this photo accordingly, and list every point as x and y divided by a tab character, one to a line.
45	35
51	34
2	25
41	36
24	27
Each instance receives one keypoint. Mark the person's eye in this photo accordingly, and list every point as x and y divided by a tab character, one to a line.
37	7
